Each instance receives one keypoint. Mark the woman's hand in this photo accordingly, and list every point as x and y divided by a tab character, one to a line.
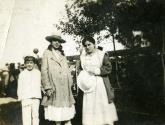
89	69
92	70
49	92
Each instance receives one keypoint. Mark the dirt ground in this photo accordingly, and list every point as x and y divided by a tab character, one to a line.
10	114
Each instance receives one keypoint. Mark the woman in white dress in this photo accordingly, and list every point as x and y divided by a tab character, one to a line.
93	80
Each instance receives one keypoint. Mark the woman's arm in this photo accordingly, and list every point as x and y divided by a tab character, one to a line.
104	70
44	72
106	67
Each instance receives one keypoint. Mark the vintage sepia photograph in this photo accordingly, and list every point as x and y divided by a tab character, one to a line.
82	62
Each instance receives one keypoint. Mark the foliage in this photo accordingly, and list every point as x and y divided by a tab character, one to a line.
120	18
140	78
142	16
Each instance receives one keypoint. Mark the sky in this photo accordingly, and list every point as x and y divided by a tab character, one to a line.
24	24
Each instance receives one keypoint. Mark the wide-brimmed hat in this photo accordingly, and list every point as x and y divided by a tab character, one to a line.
54	37
86	82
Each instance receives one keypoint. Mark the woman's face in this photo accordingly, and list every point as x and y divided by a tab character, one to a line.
89	47
56	44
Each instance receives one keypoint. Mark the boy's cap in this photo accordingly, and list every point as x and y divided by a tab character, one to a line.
29	58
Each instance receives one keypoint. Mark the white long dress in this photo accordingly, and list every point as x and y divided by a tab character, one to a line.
96	109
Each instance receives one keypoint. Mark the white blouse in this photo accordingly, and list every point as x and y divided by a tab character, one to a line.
29	84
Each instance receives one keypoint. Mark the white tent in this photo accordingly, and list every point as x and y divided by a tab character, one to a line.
24	25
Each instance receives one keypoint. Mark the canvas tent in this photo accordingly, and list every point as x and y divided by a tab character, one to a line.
24	24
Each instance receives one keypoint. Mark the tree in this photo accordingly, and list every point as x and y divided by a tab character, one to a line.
120	18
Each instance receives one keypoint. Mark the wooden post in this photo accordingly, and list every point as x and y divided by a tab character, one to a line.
116	62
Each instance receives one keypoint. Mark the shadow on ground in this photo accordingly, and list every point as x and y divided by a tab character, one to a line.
10	114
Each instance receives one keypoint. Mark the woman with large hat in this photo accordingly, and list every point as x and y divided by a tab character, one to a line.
58	100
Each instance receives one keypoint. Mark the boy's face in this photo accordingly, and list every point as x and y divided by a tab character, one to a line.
29	65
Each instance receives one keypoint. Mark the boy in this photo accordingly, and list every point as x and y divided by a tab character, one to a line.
29	92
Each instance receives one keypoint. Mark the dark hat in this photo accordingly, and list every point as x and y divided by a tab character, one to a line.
55	37
29	58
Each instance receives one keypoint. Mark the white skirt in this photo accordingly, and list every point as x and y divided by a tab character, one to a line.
59	113
96	109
